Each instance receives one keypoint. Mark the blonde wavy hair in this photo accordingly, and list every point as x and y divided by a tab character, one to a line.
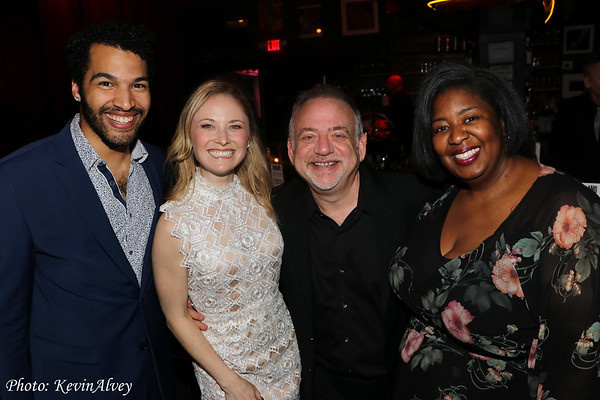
253	171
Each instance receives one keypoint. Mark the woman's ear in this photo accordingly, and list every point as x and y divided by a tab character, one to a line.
505	134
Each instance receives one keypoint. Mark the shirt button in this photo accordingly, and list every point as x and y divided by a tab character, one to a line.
346	340
143	346
341	270
344	305
112	183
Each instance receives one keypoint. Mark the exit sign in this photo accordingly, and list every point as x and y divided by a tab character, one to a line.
273	45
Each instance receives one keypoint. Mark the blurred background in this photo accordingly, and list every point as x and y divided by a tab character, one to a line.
275	48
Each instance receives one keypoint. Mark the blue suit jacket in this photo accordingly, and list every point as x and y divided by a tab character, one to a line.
71	309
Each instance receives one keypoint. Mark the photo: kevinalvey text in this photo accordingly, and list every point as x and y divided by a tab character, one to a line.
64	386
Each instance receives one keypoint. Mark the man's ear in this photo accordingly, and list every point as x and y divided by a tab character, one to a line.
362	146
75	91
290	148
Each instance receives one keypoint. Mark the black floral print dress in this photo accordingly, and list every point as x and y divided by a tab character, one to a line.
516	318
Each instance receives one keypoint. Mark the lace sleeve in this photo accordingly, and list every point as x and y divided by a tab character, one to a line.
173	212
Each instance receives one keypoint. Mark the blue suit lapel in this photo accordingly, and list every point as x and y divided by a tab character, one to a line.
73	177
156	182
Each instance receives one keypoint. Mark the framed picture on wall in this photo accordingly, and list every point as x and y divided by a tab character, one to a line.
310	21
359	17
501	52
578	39
572	85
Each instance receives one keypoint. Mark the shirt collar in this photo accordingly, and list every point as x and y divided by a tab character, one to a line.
139	153
89	156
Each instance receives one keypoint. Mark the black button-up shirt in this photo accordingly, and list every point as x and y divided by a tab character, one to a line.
348	288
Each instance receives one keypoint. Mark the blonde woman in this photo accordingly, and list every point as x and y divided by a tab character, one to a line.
218	244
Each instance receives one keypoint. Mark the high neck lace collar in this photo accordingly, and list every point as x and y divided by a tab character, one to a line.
202	185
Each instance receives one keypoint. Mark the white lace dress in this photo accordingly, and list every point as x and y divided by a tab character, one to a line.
233	252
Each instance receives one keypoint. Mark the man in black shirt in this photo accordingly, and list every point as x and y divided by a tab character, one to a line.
341	224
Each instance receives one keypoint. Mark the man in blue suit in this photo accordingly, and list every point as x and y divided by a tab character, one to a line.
79	315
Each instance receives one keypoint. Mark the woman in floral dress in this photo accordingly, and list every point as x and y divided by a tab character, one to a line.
218	244
500	272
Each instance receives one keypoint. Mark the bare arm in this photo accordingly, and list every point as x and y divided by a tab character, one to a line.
172	287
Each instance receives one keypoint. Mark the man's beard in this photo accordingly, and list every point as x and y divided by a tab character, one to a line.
94	120
322	186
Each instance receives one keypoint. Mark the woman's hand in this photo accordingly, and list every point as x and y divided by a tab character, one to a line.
196	316
241	389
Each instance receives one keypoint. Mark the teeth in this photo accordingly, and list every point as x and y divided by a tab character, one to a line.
324	164
467	154
120	119
217	153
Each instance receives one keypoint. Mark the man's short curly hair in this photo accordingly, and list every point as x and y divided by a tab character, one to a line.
133	38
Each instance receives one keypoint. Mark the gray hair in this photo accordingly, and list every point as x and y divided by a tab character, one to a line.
325	91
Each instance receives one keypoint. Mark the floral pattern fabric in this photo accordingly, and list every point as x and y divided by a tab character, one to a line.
516	318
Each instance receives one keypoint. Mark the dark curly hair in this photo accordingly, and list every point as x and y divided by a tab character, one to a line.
135	39
492	89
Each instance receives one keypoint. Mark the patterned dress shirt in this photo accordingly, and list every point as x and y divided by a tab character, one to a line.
131	220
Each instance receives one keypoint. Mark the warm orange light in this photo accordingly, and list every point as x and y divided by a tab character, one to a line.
240	21
462	5
432	3
549	8
276	160
319	31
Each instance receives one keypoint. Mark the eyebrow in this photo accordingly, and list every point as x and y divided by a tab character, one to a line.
114	78
229	122
464	110
339	128
332	129
306	130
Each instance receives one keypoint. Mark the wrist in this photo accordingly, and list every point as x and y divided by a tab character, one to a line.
229	381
